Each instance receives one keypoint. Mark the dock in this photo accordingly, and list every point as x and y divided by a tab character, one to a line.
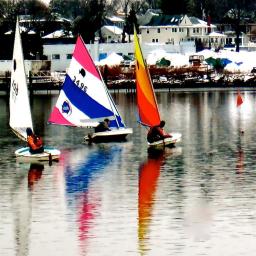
36	82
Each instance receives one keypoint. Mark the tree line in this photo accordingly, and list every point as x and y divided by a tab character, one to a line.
88	16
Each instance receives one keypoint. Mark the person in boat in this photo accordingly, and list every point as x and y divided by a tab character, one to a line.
157	133
103	126
35	142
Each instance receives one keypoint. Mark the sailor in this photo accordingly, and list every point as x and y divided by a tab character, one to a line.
35	142
103	126
157	133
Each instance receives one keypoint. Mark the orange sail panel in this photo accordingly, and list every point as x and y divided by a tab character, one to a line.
239	99
146	100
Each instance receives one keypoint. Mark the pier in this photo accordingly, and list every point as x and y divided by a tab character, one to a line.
36	81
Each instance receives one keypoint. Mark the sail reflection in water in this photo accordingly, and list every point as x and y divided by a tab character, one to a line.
23	207
149	173
79	176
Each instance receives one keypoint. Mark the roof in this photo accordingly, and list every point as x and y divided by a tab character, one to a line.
174	20
115	19
194	20
165	20
58	34
114	29
215	34
22	29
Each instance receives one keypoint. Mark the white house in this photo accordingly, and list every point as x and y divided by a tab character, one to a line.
174	29
115	21
112	34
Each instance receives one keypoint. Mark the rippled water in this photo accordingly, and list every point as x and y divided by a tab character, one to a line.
117	199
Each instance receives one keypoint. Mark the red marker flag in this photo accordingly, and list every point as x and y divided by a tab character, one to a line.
239	99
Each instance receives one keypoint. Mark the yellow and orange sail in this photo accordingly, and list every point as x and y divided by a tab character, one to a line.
146	99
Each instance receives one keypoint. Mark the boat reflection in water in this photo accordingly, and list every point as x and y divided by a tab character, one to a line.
85	168
22	206
34	174
149	173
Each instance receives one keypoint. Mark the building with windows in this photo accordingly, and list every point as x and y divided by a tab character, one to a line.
174	29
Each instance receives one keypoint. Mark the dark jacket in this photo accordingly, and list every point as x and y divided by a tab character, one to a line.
102	127
156	133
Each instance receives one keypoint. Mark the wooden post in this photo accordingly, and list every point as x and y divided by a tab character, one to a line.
30	83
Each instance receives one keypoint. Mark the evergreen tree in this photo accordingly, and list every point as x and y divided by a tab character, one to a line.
131	21
91	20
175	7
238	14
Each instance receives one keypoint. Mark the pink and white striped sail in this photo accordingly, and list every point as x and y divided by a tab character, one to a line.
84	100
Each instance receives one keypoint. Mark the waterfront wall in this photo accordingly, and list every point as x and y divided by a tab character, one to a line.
64	52
60	55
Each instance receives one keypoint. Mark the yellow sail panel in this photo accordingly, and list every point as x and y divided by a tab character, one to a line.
146	100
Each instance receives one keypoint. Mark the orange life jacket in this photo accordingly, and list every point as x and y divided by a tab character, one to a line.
34	142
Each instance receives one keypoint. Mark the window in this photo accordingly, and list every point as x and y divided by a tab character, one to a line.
156	40
153	40
69	56
158	30
147	31
55	56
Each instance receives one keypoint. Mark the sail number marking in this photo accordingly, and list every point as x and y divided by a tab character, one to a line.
15	89
79	84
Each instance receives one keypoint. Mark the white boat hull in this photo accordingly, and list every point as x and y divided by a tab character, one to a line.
49	154
167	142
109	136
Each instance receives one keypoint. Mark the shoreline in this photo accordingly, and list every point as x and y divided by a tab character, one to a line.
128	86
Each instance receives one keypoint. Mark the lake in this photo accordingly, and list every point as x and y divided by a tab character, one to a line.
118	199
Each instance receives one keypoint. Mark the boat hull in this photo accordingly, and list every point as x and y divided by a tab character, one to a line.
49	154
167	142
116	135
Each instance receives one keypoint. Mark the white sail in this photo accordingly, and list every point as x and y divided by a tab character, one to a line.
20	112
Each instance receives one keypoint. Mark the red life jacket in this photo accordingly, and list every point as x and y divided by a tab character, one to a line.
38	141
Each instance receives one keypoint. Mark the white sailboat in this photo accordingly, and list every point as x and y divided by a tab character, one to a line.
84	100
20	112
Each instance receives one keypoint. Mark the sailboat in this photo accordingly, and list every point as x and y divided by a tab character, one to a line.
84	99
20	112
146	100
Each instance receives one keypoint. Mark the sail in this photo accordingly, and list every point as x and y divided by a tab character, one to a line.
20	112
146	100
84	99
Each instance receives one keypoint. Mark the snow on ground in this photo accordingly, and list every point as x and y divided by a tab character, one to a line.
176	59
242	61
111	60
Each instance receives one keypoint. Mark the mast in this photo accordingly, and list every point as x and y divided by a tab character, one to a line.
111	101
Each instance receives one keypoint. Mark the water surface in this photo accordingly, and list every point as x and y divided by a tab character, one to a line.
117	199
